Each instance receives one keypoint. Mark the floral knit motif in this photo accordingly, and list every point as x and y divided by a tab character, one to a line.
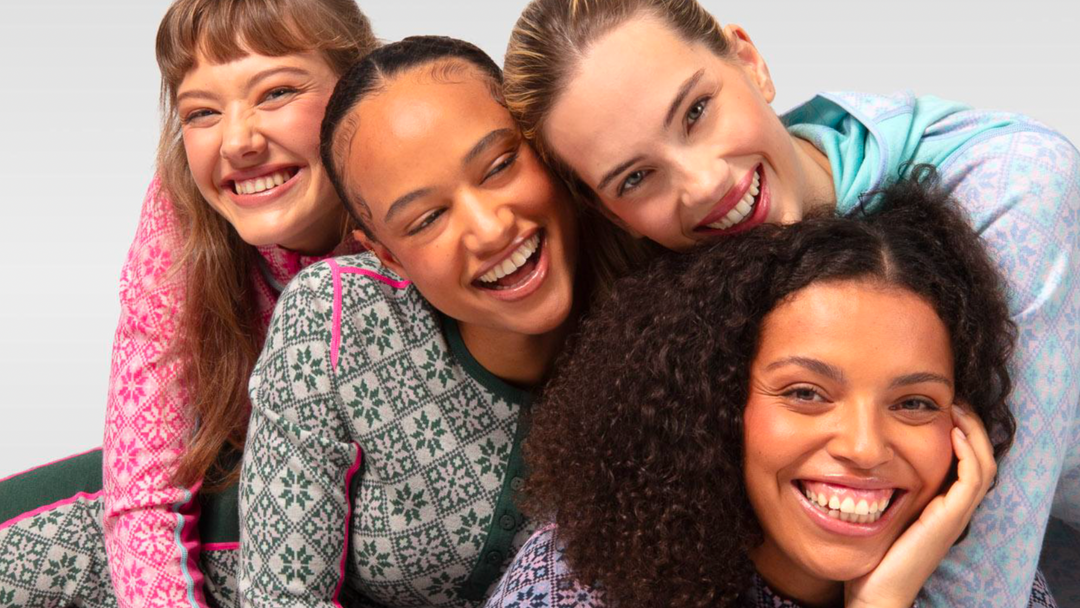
150	523
357	364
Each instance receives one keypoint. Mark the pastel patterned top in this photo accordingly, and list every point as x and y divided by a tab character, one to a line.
151	531
1019	182
540	577
382	458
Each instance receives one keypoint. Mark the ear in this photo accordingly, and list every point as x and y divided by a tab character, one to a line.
385	255
747	55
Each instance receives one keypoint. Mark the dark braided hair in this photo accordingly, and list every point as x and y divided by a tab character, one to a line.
636	447
371	74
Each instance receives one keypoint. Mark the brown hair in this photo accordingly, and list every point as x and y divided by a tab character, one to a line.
220	334
550	38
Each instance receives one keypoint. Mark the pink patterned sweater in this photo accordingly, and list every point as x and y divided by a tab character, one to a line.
151	532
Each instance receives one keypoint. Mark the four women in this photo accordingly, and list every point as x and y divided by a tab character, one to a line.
383	454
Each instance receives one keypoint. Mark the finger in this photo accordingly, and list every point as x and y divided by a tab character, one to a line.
979	440
967	488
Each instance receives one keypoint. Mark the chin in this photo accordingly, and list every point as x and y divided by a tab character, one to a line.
841	565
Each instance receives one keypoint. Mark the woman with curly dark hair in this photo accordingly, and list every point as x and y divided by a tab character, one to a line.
774	419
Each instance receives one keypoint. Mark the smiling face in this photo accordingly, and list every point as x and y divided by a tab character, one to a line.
459	203
847	429
679	144
251	134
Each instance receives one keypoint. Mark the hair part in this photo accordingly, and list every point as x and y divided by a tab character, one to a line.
646	406
549	41
220	333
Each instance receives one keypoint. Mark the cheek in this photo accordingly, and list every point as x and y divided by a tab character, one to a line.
299	128
929	451
773	441
203	152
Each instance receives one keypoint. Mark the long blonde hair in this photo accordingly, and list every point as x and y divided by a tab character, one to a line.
220	332
550	38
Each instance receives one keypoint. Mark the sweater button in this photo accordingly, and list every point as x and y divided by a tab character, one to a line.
507	522
517	483
494	558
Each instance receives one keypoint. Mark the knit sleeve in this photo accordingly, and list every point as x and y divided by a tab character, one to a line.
1021	187
539	577
299	459
151	535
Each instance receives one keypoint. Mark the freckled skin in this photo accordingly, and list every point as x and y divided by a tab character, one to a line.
872	335
613	109
246	123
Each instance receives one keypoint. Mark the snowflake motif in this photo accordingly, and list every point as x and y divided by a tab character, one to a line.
407	503
296	565
307	368
131	386
428	434
295	489
126	457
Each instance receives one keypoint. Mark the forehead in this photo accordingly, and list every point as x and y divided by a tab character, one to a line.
415	132
619	94
858	325
207	73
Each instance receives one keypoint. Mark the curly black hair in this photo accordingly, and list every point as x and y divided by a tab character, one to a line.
636	445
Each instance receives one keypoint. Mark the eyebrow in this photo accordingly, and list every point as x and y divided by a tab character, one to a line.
918	378
255	79
820	367
483	144
684	90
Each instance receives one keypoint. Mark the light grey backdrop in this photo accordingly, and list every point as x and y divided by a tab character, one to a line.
78	126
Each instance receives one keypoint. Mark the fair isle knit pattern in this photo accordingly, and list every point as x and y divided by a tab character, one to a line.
381	459
1019	182
540	577
150	523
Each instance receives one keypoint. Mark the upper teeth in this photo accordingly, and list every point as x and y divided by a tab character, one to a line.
741	210
259	184
513	261
847	509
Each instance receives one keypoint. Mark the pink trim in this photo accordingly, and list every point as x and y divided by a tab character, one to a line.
188	537
377	277
348	516
55	505
42	466
335	330
232	546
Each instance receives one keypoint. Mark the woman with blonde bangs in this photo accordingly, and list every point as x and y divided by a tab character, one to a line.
661	117
241	204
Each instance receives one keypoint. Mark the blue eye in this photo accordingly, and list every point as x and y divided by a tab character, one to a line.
632	181
696	111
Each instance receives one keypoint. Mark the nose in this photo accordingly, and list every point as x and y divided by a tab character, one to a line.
703	178
488	222
859	437
241	141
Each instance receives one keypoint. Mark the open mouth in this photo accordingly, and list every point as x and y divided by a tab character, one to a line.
515	268
847	504
266	182
742	210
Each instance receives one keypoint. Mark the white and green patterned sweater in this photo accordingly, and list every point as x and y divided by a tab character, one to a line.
381	459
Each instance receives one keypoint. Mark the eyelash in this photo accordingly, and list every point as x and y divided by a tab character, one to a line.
434	215
928	405
791	393
702	105
270	95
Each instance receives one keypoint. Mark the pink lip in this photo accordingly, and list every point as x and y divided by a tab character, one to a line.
266	196
845	528
732	198
530	284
